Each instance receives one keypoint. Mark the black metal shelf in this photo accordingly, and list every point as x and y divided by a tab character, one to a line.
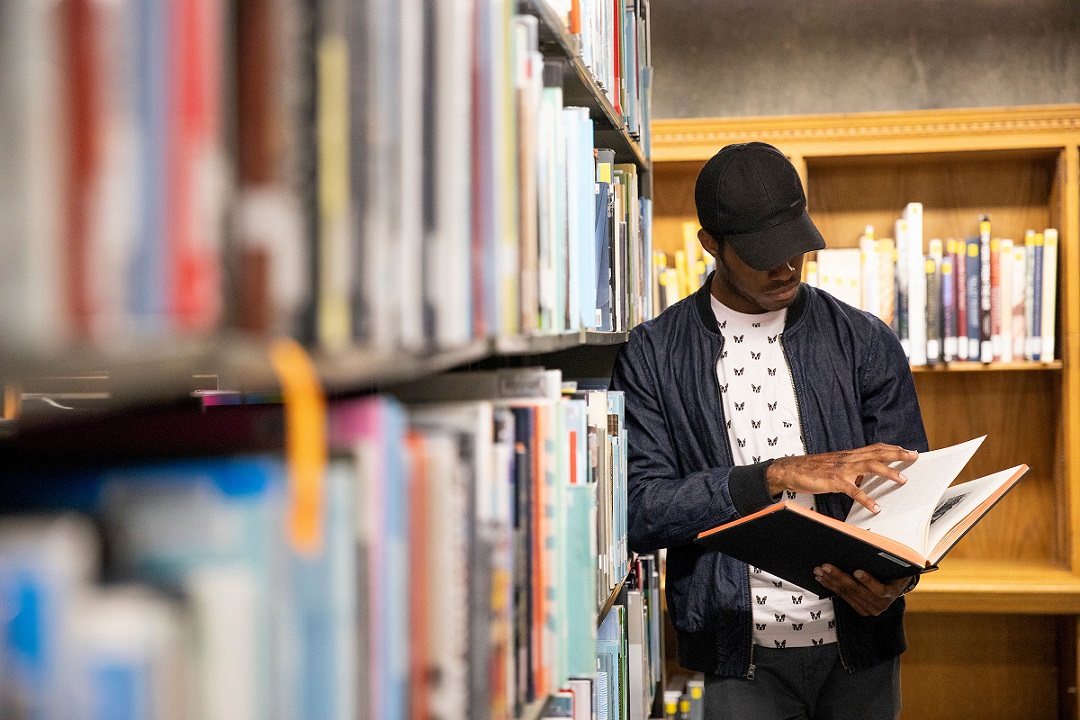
581	89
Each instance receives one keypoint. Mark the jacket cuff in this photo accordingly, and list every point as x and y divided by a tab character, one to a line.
749	489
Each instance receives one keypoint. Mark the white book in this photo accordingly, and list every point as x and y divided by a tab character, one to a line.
913	216
575	201
840	274
31	165
446	281
128	631
903	282
1049	292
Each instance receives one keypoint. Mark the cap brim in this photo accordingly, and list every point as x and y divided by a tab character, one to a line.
771	247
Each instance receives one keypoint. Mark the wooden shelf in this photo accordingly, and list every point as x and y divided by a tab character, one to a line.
980	586
970	366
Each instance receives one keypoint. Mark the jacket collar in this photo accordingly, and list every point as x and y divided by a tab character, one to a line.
704	305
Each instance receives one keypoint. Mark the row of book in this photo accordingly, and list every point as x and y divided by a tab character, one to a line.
679	274
450	562
629	669
585	230
614	43
404	174
113	171
983	298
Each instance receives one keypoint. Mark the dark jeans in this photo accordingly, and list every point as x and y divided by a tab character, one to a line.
805	683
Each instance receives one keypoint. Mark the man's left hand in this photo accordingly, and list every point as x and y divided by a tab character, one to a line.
864	594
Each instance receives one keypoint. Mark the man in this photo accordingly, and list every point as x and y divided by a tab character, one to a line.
754	389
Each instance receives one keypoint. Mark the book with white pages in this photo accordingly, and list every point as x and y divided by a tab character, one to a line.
917	524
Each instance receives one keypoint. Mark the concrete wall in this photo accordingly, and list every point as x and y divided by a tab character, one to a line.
775	57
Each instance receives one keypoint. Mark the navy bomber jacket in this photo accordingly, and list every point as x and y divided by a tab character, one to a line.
853	387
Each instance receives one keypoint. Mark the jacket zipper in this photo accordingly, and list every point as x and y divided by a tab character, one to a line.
802	437
750	668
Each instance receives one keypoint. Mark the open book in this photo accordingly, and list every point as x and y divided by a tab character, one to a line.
919	522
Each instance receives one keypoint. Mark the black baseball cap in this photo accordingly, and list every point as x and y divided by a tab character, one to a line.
750	195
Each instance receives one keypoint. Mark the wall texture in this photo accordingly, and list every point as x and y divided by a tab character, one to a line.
776	57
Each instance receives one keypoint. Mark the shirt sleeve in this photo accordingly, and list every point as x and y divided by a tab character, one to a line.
665	507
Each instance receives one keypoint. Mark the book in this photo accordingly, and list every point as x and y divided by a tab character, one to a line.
948	309
913	217
919	523
959	256
1049	293
1036	252
972	294
1017	301
1005	294
986	348
933	308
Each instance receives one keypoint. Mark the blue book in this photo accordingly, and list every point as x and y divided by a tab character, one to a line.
974	282
148	278
45	563
585	234
324	616
1035	333
213	530
605	207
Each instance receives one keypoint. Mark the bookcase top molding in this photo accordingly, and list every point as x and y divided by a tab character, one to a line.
1041	126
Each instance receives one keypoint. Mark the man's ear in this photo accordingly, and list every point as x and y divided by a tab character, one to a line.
708	242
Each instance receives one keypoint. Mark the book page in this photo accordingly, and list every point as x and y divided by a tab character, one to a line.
961	501
906	509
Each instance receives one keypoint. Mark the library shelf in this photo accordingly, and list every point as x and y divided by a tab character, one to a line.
975	366
981	586
580	88
241	365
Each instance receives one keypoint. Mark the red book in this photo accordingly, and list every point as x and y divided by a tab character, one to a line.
84	159
616	93
193	232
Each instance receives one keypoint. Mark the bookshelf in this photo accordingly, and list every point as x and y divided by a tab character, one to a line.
108	398
1000	619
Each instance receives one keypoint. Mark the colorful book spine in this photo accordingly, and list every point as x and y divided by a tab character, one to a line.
958	252
948	309
1018	300
1038	269
995	299
1004	307
1049	293
974	327
986	348
932	266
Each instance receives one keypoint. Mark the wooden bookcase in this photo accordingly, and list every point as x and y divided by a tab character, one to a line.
994	633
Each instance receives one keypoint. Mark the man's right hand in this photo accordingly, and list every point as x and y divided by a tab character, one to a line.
841	472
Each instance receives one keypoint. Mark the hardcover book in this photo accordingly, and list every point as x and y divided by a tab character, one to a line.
918	524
